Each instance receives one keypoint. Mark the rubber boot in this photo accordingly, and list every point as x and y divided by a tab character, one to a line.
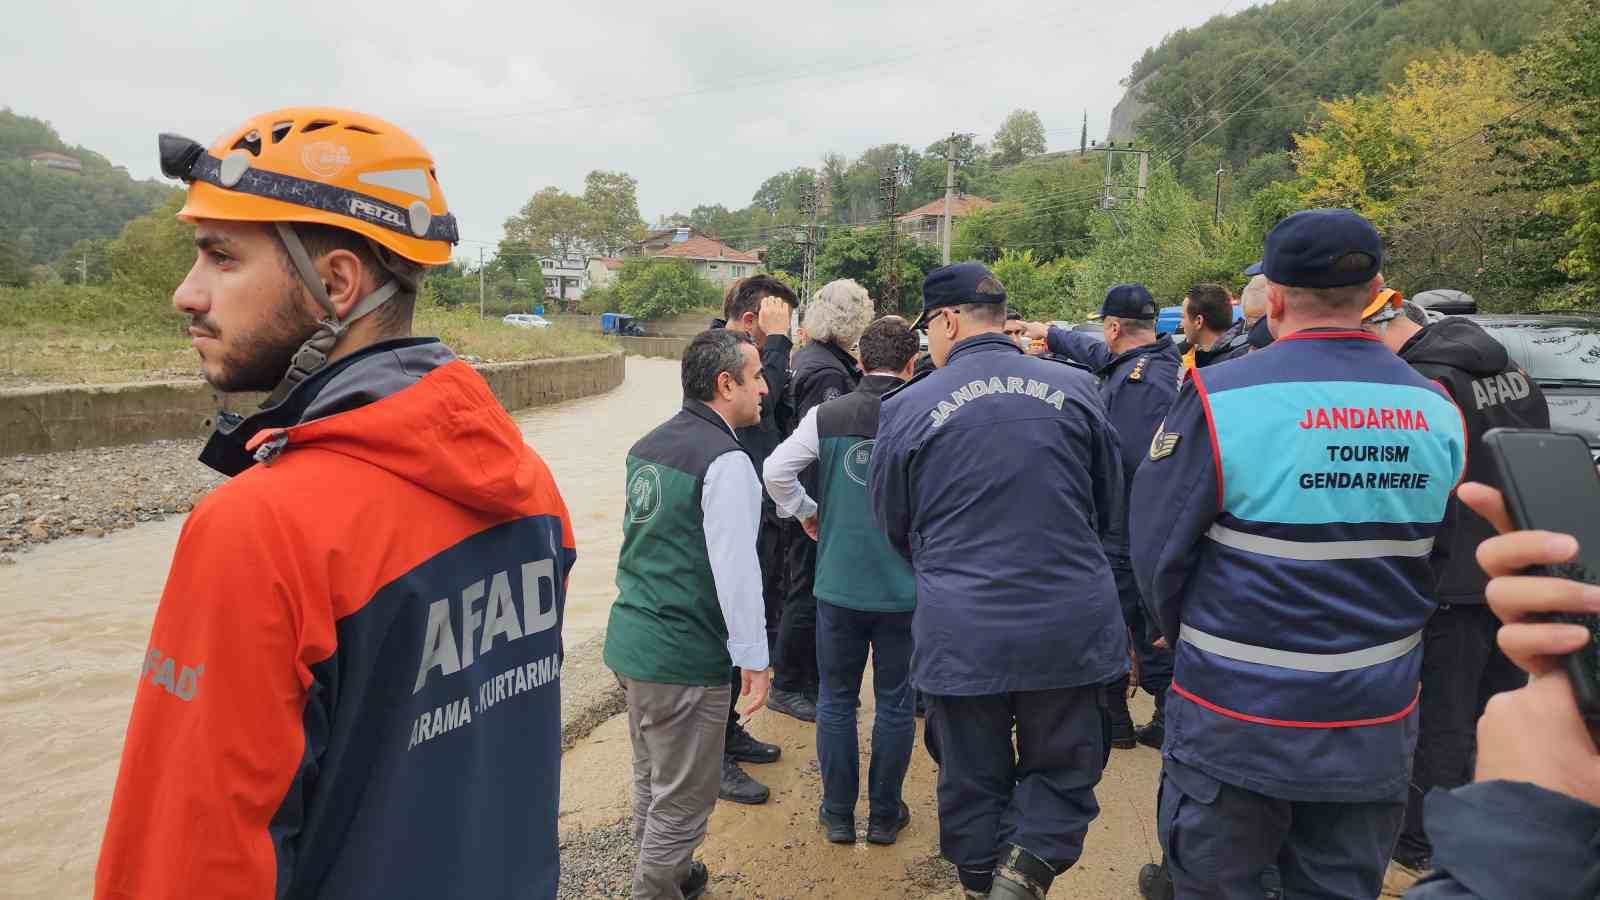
1122	734
1021	876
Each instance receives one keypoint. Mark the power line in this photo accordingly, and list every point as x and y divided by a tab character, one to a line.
1280	76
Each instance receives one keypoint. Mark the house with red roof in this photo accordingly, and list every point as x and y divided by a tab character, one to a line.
713	260
925	224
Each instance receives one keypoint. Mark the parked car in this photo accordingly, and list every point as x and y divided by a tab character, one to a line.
526	320
1562	354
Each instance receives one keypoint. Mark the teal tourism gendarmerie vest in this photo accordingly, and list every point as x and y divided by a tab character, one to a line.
856	566
666	625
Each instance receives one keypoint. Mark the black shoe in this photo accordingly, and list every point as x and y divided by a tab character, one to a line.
792	703
1122	736
1155	883
696	883
888	832
739	787
1153	734
744	748
840	829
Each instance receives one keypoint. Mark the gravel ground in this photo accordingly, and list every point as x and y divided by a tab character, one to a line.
597	862
91	492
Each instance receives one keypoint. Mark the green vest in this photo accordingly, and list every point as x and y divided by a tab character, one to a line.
856	566
666	625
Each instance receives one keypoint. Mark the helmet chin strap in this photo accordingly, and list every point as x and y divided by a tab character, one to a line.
314	353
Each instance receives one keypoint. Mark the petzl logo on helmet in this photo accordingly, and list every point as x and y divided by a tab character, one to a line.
365	209
325	159
644	494
857	460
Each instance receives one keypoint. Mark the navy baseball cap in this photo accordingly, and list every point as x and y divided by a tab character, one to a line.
953	285
1253	269
1128	301
1323	248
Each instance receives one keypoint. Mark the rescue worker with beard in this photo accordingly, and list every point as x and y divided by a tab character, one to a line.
352	683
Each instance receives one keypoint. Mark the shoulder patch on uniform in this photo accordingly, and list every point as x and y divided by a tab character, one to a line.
1138	369
1164	442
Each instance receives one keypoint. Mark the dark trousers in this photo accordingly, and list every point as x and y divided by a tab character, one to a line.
1219	839
1035	791
795	662
1462	667
769	554
844	637
1155	664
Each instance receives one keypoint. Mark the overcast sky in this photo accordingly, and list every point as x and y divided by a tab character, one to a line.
698	101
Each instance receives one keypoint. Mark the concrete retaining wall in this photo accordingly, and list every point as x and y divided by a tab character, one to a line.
45	420
669	347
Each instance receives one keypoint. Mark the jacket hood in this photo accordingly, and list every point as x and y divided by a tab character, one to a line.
445	432
1458	343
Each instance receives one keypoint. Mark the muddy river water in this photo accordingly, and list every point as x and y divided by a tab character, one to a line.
79	611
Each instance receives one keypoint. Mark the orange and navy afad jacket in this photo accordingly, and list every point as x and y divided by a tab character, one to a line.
352	683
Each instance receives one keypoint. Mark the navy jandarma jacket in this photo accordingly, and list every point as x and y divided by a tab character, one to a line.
995	476
1281	532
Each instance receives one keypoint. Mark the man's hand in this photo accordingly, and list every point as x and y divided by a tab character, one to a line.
1159	643
1534	734
755	686
774	316
1036	331
1536	647
810	525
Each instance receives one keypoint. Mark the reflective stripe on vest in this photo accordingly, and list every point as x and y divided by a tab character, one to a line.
1318	551
1301	662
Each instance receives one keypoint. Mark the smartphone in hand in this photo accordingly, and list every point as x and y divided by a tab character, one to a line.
1550	484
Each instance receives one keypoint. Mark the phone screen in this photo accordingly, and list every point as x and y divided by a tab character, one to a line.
1551	485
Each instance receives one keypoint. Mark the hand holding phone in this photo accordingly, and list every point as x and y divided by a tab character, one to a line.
1550	485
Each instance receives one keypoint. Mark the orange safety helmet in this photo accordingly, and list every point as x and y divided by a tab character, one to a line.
321	165
1387	305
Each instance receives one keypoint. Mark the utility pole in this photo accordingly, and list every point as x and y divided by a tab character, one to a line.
480	282
1216	215
83	270
949	190
808	247
888	194
1117	186
1083	141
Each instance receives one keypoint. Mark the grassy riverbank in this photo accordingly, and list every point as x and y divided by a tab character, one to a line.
62	334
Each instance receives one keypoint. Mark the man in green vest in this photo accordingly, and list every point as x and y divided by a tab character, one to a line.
689	606
864	589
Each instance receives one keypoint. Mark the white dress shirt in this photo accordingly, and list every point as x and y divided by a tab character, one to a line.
783	468
730	501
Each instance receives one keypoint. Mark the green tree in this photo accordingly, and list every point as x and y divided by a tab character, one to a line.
661	288
1563	69
1020	136
613	206
858	253
13	265
552	223
153	253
